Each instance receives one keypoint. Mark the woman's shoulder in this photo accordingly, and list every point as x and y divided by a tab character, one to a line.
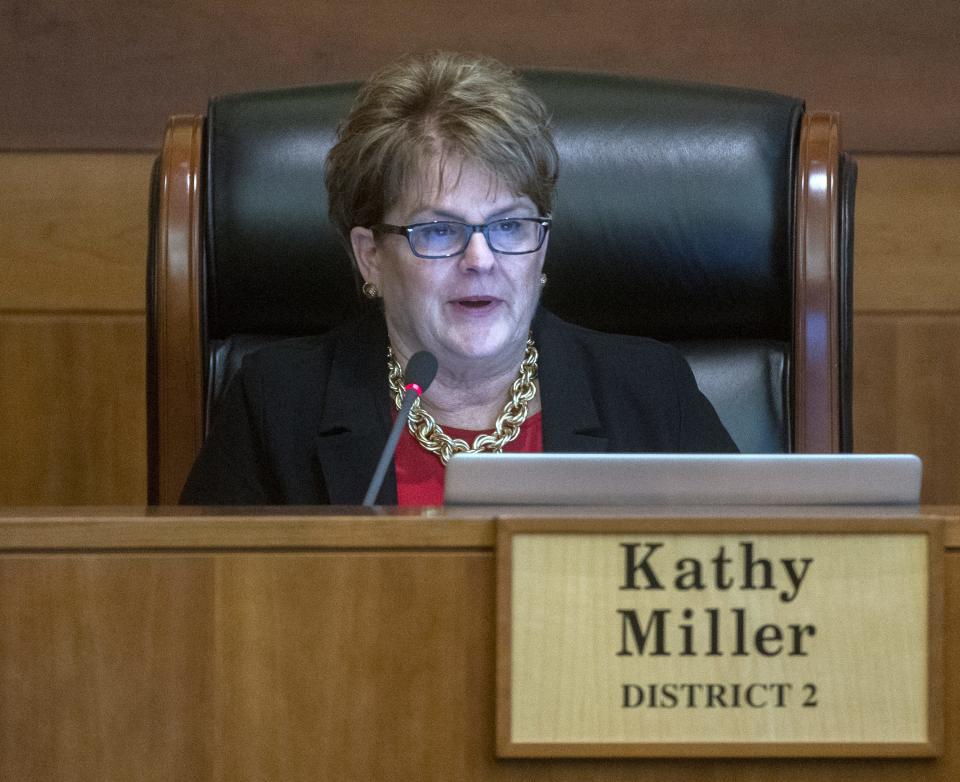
290	359
642	391
563	336
289	353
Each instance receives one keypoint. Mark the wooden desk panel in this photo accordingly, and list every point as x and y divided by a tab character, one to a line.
106	669
338	647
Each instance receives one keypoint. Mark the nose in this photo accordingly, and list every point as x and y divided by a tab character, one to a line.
478	256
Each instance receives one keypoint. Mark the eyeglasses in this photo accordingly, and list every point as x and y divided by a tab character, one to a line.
446	238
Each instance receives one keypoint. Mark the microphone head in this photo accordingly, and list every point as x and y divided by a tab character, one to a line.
421	369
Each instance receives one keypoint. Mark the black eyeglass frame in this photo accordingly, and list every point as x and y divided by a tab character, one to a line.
484	228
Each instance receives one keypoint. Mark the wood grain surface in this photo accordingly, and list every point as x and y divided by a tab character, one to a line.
105	668
907	235
906	372
72	409
309	663
73	231
106	74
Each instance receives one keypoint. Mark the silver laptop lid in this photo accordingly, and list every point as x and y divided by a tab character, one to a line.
683	479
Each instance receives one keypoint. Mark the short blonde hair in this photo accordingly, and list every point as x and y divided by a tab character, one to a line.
458	107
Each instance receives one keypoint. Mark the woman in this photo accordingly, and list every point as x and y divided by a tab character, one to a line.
441	185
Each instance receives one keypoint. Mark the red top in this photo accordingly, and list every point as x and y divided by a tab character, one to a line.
420	473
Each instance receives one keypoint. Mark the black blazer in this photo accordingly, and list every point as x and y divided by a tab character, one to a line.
304	421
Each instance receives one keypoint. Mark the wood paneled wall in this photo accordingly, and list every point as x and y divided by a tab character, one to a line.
106	73
72	421
72	250
907	314
73	231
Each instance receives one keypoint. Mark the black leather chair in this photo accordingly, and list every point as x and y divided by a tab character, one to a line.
714	218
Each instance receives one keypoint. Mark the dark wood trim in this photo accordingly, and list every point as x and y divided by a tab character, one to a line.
175	306
816	306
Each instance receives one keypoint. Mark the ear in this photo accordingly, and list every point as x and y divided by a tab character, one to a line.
543	250
365	253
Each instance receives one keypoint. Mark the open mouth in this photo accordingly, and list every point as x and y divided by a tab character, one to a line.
475	302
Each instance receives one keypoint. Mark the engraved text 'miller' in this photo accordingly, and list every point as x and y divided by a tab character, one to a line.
657	634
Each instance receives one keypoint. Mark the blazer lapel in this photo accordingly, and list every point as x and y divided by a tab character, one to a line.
356	416
570	420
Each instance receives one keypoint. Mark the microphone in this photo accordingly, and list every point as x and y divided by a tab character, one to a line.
419	374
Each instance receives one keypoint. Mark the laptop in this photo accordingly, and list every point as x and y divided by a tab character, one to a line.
683	479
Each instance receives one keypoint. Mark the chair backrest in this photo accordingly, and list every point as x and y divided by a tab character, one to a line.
714	218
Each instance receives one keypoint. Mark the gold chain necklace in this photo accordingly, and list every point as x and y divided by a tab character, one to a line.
428	432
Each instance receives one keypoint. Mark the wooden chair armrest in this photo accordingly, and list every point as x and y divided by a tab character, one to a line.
174	324
816	363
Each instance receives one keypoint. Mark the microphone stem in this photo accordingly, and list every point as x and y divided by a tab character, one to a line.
385	458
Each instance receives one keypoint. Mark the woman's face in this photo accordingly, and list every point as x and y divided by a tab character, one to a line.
472	311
